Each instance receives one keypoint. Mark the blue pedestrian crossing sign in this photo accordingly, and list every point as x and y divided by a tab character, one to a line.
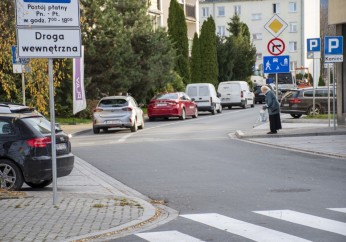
276	64
333	49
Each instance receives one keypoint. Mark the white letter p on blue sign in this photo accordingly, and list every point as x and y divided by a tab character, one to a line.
333	45
314	45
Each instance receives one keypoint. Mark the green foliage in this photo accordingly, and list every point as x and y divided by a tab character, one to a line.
195	60
207	40
123	52
236	54
321	81
177	31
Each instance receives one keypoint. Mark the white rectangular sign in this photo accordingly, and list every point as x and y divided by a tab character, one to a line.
49	43
47	13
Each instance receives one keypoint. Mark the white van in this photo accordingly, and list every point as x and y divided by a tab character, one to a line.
236	93
205	96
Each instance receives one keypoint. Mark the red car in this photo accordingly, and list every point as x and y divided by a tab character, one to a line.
173	104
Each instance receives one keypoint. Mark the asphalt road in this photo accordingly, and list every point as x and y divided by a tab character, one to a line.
224	189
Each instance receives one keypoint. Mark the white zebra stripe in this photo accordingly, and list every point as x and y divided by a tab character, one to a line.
167	236
342	210
247	230
307	220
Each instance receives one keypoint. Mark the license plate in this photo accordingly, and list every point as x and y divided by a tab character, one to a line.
286	104
161	104
61	146
113	122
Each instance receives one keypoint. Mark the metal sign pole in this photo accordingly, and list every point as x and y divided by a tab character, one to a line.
23	84
334	93
328	94
52	122
276	85
313	88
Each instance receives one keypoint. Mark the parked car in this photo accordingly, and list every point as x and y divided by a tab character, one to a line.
300	101
205	96
259	95
6	107
25	151
235	93
172	104
117	112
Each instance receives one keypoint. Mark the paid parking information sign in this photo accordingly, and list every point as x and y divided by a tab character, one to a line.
47	13
48	28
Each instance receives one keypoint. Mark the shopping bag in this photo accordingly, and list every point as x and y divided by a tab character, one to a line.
263	116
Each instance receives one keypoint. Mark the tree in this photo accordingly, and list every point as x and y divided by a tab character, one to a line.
123	52
36	81
177	31
237	53
195	60
207	40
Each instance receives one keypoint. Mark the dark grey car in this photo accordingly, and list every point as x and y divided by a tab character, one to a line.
300	101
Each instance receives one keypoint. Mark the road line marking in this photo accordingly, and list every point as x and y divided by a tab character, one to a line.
342	210
241	228
307	220
168	236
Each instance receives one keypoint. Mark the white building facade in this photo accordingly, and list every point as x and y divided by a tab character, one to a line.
302	18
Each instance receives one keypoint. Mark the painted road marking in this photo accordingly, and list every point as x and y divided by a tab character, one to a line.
168	236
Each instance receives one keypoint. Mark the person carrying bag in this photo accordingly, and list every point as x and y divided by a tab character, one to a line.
273	107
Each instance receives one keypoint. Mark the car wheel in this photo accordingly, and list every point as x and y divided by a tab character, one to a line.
253	105
183	114
11	177
195	115
213	111
39	184
96	130
134	127
220	109
296	115
245	105
317	110
142	125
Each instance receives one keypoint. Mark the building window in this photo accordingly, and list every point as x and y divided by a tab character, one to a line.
221	11
276	8
256	16
221	30
205	12
292	7
237	10
257	36
293	46
293	27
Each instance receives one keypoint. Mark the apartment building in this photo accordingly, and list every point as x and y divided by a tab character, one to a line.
297	20
159	10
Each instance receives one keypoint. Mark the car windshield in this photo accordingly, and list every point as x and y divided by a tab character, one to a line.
118	102
171	96
40	124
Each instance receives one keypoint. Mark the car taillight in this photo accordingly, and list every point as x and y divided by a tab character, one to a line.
39	142
294	100
127	109
241	94
96	110
173	103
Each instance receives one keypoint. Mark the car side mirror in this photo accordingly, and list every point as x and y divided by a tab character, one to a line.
218	94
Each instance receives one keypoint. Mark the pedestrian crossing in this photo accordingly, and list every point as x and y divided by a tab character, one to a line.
252	231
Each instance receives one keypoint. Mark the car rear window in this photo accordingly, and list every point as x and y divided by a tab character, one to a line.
203	91
40	124
171	96
118	102
192	91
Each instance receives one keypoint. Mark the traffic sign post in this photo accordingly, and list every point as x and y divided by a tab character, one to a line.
49	29
314	52
333	52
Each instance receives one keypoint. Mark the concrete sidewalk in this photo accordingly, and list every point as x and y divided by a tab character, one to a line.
312	136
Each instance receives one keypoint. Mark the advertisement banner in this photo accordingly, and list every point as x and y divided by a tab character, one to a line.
79	99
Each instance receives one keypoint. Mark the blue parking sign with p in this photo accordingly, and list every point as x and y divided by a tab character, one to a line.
333	45
314	45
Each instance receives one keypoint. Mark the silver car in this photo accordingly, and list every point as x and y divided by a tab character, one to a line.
117	112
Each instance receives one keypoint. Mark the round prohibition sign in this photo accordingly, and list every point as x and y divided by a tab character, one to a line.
276	46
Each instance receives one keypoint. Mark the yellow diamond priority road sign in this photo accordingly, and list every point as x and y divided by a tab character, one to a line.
276	25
